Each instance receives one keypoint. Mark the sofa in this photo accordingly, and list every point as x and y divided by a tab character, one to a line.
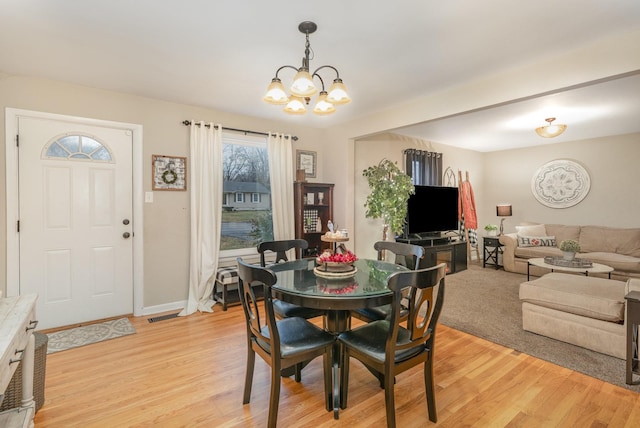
615	247
582	310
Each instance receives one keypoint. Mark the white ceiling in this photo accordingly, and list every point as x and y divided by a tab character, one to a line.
223	54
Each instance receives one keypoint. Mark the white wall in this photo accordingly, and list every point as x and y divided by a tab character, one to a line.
166	220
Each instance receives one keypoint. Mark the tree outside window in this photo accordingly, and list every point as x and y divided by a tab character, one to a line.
245	220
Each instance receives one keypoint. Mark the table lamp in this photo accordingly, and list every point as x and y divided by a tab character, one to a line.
503	210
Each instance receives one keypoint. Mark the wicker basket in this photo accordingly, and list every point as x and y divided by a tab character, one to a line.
13	393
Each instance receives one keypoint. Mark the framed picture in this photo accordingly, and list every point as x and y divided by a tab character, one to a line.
307	161
169	172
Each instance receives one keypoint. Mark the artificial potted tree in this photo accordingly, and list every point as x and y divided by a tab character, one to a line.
390	190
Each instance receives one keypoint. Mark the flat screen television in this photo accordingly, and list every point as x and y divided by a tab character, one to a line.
431	211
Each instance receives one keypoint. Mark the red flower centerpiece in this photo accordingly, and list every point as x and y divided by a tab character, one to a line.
336	263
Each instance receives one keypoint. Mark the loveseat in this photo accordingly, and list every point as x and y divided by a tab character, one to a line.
615	247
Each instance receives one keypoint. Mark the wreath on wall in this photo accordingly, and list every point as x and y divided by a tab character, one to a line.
169	173
169	176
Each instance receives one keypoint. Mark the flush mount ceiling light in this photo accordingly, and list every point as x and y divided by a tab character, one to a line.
303	88
550	130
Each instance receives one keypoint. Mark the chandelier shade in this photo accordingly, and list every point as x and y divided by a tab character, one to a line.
276	93
296	105
338	93
303	87
323	107
550	130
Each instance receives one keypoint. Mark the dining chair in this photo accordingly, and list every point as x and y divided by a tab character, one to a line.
281	343
285	309
409	255
388	348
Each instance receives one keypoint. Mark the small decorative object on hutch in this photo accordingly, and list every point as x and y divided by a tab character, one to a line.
311	216
169	172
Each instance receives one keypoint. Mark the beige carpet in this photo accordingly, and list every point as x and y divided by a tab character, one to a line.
484	303
88	334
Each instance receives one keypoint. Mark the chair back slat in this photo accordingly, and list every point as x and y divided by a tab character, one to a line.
250	276
281	248
423	309
401	250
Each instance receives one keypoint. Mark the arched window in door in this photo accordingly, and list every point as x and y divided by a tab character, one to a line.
77	147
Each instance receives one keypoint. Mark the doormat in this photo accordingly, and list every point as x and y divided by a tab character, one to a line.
88	334
163	317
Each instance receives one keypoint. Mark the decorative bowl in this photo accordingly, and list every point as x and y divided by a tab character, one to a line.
335	266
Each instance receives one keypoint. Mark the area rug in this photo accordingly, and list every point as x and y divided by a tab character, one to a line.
485	303
88	334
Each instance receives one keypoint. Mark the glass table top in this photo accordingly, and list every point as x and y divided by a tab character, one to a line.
298	277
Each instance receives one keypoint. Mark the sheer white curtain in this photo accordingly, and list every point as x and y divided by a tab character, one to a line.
205	176
281	177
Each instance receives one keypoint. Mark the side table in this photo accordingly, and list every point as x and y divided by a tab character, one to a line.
492	249
633	320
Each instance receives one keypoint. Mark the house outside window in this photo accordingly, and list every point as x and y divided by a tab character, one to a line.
246	208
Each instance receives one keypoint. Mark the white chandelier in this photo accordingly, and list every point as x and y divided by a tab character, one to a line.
303	88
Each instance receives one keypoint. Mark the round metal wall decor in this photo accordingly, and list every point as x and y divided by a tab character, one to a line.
560	184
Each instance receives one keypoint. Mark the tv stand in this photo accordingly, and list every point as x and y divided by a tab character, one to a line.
441	249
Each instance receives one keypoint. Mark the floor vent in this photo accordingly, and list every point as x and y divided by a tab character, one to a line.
163	317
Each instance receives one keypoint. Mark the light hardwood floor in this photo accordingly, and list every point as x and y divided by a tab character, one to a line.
189	372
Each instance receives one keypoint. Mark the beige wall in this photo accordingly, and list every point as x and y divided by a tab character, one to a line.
600	60
370	151
612	164
340	159
166	220
505	176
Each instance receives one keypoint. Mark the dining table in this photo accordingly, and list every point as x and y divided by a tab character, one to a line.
298	282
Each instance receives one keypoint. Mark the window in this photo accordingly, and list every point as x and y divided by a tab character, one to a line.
77	147
245	177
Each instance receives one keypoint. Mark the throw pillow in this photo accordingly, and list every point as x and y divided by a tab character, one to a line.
536	241
532	230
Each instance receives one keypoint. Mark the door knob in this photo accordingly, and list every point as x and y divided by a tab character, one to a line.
125	221
126	235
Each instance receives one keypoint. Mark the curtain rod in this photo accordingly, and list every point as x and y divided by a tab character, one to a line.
245	131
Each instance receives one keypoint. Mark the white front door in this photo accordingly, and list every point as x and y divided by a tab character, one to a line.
75	219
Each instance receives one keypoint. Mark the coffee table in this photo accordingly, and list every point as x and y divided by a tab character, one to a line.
595	268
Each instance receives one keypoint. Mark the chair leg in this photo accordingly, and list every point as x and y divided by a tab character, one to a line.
248	379
430	389
389	400
298	372
327	359
344	376
274	398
